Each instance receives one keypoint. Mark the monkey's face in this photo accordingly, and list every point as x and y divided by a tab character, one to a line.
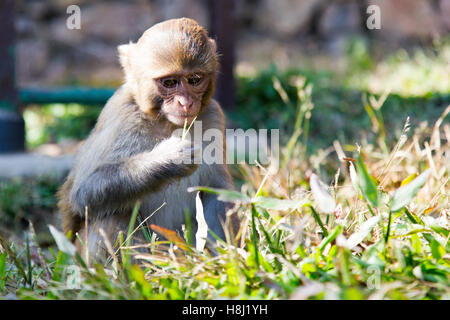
171	70
182	96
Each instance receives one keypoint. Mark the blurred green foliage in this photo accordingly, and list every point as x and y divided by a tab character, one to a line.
56	122
413	72
359	56
338	112
418	82
22	198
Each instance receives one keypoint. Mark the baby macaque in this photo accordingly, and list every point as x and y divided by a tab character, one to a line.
133	155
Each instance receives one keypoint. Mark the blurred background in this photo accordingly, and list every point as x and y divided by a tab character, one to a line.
287	33
326	41
275	53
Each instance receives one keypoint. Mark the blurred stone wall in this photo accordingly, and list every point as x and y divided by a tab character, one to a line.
50	54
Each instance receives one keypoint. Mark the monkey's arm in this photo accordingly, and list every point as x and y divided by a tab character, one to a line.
119	184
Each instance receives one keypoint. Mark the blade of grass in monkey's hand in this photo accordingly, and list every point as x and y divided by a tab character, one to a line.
170	235
186	131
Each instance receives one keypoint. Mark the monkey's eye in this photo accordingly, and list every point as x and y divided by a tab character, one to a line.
169	82
195	79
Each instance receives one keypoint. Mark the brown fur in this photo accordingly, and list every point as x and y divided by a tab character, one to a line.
70	220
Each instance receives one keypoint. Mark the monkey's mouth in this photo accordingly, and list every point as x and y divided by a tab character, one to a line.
180	118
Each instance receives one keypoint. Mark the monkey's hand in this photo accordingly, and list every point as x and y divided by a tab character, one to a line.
125	181
175	155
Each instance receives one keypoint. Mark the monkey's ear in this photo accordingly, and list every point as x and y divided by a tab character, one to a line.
213	45
125	55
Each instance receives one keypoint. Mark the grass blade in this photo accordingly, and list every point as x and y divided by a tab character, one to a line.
317	218
3	272
132	223
224	194
255	235
366	183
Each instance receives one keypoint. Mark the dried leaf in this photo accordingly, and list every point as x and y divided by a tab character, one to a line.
171	236
430	209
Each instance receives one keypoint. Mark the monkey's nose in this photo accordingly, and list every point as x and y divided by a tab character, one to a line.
185	103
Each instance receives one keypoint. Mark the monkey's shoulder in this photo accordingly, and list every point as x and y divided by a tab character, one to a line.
215	108
120	132
213	116
120	109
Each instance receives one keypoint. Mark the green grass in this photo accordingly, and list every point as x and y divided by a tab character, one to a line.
376	239
359	209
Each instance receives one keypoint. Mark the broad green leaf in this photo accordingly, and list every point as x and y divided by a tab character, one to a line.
366	183
263	202
439	229
279	204
64	244
415	243
352	293
320	193
437	250
224	194
432	272
405	194
138	275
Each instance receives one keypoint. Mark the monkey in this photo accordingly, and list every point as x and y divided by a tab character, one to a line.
132	153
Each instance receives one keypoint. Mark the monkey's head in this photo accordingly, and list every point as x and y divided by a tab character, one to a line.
171	70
